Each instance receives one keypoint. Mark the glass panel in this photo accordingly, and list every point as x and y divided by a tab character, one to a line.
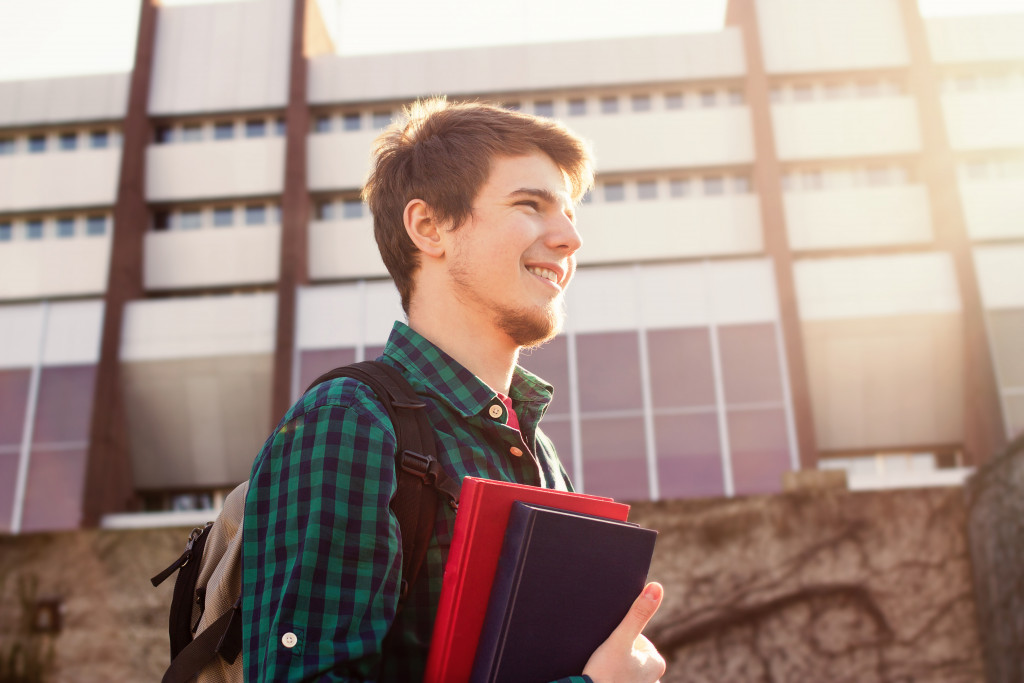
95	225
689	456
223	130
162	134
6	231
37	143
577	107
69	141
614	463
351	121
609	105
750	363
707	98
280	127
255	214
190	220
255	128
714	185
680	363
352	208
325	211
544	108
1007	329
312	364
614	192
551	363
381	119
65	404
6	146
192	132
65	227
759	445
53	496
34	229
674	100
223	216
99	139
609	371
323	124
678	187
647	189
13	400
641	102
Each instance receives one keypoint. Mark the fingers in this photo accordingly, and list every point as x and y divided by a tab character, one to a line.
640	613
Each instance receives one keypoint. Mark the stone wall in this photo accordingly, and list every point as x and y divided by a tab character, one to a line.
824	586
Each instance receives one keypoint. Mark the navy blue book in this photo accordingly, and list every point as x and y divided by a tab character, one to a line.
564	583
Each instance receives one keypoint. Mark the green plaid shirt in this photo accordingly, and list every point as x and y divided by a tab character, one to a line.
321	558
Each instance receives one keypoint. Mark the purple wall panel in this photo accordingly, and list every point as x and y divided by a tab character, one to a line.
373	352
8	477
65	404
750	363
312	364
609	371
551	362
13	402
760	452
53	497
681	372
560	433
614	460
689	456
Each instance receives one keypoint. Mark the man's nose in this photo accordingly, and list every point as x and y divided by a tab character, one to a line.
563	235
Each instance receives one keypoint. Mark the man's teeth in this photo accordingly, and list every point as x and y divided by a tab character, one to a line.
544	273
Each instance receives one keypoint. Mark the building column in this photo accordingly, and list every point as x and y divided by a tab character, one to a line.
109	486
768	184
984	431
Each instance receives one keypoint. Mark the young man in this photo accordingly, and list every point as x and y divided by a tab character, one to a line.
473	215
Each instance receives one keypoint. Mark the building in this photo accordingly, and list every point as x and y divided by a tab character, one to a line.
803	250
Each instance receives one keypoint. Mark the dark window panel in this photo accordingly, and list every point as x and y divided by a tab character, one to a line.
1007	329
551	362
65	404
13	402
760	451
312	364
614	459
53	496
560	433
608	364
750	363
689	456
680	366
8	478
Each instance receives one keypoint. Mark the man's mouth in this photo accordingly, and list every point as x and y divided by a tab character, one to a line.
545	273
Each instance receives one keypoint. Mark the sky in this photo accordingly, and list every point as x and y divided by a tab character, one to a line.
46	38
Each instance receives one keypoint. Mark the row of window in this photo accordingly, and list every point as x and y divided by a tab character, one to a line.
676	187
343	209
985	169
219	216
223	129
48	227
814	91
992	82
61	141
840	178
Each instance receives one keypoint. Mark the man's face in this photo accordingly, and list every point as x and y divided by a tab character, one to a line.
512	259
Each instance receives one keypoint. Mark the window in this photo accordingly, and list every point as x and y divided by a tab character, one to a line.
614	192
223	216
164	135
352	208
545	108
577	106
191	132
835	91
255	128
255	214
325	211
735	97
588	197
803	92
65	227
322	125
641	102
280	127
674	100
5	231
161	220
95	225
977	170
741	184
707	98
714	185
37	143
868	89
381	119
190	219
6	146
68	141
99	139
512	106
877	176
966	83
352	121
811	180
678	187
776	95
609	105
224	130
647	189
34	229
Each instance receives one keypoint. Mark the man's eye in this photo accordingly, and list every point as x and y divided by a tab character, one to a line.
530	203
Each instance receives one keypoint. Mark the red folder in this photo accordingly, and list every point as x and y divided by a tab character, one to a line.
484	508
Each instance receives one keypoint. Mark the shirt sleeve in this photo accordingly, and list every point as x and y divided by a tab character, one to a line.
322	554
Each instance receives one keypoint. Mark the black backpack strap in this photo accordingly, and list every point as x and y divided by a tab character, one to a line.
422	482
187	566
223	637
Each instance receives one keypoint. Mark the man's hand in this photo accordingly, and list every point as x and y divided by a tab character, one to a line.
627	656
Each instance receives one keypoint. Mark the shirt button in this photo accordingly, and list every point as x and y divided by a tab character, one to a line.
515	451
289	640
495	412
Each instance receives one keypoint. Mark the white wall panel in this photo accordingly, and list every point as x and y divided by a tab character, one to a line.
994	209
64	100
831	35
616	232
349	315
32	269
344	249
85	177
850	128
383	308
742	291
984	120
72	333
990	37
20	335
212	257
513	68
873	286
831	219
222	168
1000	270
339	161
221	57
199	327
603	299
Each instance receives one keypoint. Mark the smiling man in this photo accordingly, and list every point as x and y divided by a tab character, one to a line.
474	216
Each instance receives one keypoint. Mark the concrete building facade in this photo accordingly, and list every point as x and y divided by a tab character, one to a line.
803	250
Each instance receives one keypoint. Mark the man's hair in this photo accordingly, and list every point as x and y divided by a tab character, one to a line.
441	152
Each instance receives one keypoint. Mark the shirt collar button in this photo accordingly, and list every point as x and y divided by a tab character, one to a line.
495	411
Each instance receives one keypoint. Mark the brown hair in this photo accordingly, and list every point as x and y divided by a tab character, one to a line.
441	152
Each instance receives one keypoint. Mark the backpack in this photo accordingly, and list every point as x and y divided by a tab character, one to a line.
207	593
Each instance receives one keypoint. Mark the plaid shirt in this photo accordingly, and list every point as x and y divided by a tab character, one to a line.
321	558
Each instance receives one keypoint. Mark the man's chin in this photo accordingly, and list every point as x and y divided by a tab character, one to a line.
530	329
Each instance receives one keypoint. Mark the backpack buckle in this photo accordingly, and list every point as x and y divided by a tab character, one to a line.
419	465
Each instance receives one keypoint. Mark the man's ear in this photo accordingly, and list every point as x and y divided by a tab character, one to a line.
423	228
